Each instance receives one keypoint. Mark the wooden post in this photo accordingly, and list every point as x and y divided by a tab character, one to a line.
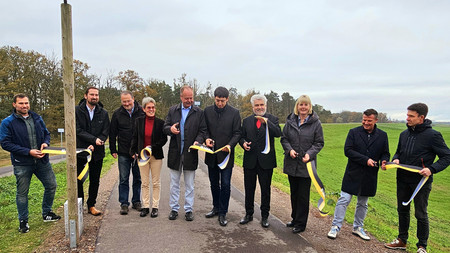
69	115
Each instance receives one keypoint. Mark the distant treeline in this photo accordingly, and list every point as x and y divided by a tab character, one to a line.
40	77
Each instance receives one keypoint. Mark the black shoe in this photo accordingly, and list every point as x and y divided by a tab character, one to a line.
247	218
264	223
154	213
144	212
297	230
23	227
290	224
137	206
173	215
223	220
123	209
212	213
51	216
189	216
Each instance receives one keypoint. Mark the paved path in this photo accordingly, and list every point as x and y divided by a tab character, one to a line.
9	170
132	233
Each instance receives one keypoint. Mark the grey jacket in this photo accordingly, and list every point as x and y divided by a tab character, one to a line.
304	139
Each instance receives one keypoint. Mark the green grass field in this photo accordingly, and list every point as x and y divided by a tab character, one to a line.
381	221
13	241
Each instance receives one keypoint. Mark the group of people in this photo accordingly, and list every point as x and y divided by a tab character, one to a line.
218	127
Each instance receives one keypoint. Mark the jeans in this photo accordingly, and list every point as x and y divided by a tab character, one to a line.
44	173
265	179
404	192
341	208
175	176
126	163
220	181
95	169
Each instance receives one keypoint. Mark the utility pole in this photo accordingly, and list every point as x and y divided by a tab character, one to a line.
69	115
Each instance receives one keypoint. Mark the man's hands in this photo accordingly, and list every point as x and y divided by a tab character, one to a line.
246	145
175	128
99	142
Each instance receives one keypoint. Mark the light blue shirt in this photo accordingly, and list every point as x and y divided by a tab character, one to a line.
91	112
184	114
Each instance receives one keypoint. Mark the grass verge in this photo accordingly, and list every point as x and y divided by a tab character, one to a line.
13	241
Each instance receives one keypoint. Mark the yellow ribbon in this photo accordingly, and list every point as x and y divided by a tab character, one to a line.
62	151
204	148
312	171
267	147
415	169
145	156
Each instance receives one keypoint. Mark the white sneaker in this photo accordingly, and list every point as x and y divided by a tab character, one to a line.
333	232
421	250
359	231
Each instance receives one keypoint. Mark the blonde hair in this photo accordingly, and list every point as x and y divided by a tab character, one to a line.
303	99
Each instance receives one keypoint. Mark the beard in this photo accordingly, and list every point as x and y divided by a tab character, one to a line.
260	112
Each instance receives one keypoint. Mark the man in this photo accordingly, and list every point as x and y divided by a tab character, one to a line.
92	129
24	135
223	122
365	147
418	146
122	126
256	163
185	123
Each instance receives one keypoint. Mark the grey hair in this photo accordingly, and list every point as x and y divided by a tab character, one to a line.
147	100
127	92
258	97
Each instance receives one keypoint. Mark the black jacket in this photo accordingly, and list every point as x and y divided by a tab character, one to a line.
421	143
224	129
308	138
88	131
257	137
122	126
359	178
159	138
194	130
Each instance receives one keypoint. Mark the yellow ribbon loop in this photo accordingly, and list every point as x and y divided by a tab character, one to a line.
204	148
312	171
145	156
62	151
415	169
267	147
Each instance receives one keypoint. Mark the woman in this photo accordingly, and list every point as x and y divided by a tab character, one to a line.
302	140
149	132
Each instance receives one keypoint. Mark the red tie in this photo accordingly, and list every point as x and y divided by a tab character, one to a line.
258	124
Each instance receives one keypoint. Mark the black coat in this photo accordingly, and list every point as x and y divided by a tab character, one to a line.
257	137
308	138
88	131
121	129
159	138
359	178
224	129
194	130
421	142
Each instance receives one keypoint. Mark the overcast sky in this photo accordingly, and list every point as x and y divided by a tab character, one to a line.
346	55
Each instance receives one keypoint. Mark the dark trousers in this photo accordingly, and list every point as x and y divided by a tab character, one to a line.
95	169
265	179
220	181
300	189
404	192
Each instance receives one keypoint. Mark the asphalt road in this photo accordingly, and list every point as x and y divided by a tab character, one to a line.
132	233
9	170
